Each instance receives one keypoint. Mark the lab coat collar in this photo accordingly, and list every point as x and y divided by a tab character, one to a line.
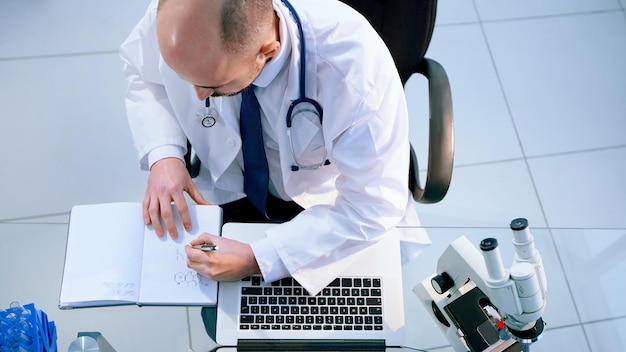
289	54
272	68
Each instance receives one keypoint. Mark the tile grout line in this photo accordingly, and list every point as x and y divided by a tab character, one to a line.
550	155
581	151
56	56
610	319
590	322
536	17
557	15
508	228
510	112
523	151
21	220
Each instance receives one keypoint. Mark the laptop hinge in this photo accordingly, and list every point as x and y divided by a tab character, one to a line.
310	345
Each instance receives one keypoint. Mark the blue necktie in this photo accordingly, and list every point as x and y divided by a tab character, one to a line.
256	172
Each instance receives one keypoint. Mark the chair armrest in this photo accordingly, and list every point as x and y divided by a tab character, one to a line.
192	162
441	137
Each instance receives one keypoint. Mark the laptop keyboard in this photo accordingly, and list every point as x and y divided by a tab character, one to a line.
345	304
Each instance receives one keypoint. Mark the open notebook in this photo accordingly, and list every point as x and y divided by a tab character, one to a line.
112	258
361	310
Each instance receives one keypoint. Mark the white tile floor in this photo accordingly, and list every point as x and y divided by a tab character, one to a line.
539	90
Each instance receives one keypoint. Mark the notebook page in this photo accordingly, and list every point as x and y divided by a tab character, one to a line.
166	279
103	255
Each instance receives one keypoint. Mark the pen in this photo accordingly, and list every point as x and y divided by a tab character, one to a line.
206	247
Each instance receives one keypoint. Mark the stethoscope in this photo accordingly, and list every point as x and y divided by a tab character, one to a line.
207	115
302	105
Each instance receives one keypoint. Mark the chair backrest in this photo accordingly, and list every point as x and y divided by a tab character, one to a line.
406	26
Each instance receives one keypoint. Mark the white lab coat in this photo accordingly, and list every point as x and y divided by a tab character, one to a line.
349	204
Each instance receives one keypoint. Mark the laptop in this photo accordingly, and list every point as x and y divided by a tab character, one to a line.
361	310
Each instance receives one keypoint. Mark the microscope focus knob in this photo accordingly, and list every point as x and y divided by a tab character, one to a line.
442	283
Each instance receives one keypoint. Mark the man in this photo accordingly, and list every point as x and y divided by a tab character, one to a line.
189	51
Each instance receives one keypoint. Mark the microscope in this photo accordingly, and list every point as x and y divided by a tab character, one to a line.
481	306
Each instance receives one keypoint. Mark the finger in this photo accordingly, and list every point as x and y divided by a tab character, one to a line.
155	217
196	195
191	254
168	218
145	209
192	261
196	255
198	260
199	268
183	210
204	238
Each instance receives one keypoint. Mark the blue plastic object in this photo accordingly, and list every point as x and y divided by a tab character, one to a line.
26	329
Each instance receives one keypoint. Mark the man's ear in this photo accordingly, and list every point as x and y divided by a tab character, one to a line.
269	50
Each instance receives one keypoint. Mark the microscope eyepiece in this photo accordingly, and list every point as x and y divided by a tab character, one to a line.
488	244
493	260
519	224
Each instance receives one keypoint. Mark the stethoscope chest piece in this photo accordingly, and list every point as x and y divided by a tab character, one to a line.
207	115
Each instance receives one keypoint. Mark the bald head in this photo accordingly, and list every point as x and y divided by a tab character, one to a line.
235	26
199	35
244	23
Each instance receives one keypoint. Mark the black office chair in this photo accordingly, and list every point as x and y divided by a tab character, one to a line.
407	26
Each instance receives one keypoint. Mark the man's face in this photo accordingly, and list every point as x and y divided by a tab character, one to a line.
229	76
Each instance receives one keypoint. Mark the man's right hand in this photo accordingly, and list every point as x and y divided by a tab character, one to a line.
167	182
